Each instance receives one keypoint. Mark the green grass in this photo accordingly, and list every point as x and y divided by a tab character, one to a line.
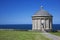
55	33
21	35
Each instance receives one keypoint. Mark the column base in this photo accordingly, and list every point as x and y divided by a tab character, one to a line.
36	29
48	30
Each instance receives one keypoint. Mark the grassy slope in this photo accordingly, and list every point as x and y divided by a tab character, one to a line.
55	33
21	35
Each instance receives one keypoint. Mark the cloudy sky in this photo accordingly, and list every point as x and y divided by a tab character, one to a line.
20	11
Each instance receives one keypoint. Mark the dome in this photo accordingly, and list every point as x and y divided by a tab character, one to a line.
42	12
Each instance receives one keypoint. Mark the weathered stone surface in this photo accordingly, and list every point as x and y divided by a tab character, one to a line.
37	19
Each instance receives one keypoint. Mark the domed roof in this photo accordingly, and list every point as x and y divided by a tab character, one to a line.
42	12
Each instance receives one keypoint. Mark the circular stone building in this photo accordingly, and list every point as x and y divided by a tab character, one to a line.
42	20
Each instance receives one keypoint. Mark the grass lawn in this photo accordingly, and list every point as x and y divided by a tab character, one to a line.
55	33
21	35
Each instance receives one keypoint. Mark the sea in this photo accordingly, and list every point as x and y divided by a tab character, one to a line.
25	26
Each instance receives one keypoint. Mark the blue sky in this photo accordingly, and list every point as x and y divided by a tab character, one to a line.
20	11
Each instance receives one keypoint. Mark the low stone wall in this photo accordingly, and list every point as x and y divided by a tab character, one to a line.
14	29
58	30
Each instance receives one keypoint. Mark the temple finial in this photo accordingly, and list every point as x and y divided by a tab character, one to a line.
41	7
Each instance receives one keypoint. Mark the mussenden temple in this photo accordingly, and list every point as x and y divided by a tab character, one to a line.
42	20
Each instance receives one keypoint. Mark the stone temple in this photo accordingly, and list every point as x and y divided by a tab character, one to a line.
42	20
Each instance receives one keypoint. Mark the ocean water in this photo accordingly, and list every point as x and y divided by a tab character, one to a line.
25	26
17	26
56	26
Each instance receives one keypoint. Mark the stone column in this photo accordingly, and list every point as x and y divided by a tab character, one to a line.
47	24
33	24
39	23
44	24
50	23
